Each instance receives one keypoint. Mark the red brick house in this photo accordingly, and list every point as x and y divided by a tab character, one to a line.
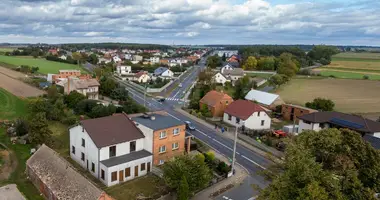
292	112
216	102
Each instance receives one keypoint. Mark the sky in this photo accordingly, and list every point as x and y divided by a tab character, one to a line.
335	22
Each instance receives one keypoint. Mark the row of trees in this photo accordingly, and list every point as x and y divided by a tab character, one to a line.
329	164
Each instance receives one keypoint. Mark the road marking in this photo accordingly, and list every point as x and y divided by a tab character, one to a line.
201	132
253	162
174	117
227	198
223	144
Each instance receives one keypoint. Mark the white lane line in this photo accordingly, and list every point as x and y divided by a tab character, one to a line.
177	93
201	132
174	117
253	162
222	144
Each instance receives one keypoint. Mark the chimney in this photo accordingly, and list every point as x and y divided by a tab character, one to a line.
152	118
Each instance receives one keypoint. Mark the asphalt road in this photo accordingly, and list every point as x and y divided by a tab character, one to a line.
247	158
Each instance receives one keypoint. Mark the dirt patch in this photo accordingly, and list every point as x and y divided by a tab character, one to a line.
8	164
342	70
9	81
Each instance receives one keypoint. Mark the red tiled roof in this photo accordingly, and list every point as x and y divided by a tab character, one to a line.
213	97
243	109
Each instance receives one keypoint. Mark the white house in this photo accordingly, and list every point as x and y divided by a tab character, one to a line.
163	72
87	87
226	67
154	60
220	78
105	60
137	58
116	59
111	148
248	114
63	57
123	70
128	56
320	120
142	77
233	74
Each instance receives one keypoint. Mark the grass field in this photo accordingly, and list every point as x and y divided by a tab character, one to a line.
6	49
350	65
352	96
261	75
44	65
11	106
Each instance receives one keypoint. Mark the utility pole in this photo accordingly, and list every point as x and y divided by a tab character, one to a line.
145	95
234	152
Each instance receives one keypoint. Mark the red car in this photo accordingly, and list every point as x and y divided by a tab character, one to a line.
279	133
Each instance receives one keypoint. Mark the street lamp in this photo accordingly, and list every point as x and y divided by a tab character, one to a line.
234	153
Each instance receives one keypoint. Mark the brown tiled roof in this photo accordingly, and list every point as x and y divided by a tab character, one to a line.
60	177
140	73
243	109
213	97
115	129
353	122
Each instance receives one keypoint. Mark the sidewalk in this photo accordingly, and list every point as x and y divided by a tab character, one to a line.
209	193
244	140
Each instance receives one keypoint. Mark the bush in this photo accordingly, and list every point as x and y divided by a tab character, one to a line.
365	77
209	156
223	168
332	76
22	127
306	72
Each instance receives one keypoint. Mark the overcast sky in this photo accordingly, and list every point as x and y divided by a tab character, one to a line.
339	22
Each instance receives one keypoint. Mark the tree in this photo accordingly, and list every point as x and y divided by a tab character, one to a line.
52	92
77	56
214	61
102	111
322	53
242	87
321	104
205	111
250	63
73	98
107	85
34	54
120	94
224	57
21	127
196	172
93	59
183	190
85	106
286	65
329	164
266	63
278	80
39	129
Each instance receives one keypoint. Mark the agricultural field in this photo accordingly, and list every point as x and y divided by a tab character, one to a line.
6	49
351	96
45	66
11	106
353	66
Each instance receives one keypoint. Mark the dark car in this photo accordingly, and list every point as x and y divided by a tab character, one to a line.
160	99
189	126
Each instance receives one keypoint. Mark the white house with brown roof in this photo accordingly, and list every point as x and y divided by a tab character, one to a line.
111	148
142	77
87	87
248	114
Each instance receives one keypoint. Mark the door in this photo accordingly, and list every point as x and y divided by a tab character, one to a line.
148	166
136	171
121	175
87	164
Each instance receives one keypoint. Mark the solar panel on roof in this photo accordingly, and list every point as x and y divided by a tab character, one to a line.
346	123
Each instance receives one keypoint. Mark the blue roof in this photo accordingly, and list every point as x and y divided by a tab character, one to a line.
44	84
160	70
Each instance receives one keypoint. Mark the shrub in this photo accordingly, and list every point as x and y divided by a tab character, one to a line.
223	168
209	157
365	77
332	76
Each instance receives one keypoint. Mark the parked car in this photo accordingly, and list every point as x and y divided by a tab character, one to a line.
160	99
180	85
189	126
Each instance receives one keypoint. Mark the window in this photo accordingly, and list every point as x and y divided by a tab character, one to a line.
142	168
93	167
176	131
102	174
112	151
262	122
162	134
226	102
132	146
161	162
229	117
127	172
82	156
83	143
237	120
72	149
162	149
258	114
114	176
175	146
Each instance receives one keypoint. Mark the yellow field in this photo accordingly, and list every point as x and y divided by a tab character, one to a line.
355	65
352	55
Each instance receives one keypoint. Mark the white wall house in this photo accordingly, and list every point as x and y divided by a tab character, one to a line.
63	57
226	67
248	114
154	60
137	58
116	59
87	87
167	73
123	70
220	78
305	125
111	148
142	78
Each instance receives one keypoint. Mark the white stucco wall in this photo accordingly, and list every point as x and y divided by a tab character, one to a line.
90	150
168	73
377	134
220	78
305	126
121	149
148	133
253	122
108	171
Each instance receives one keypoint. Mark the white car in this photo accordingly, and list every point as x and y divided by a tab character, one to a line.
180	85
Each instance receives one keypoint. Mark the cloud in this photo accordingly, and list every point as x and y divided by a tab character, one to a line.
191	21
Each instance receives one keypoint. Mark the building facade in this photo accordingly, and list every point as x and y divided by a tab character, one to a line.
291	112
216	102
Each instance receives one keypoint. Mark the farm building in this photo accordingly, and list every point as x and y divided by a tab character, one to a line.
291	112
56	178
266	99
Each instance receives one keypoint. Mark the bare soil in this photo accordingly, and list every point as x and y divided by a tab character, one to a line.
8	166
9	80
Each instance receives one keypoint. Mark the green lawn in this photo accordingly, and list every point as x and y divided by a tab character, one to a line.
261	75
21	153
6	49
45	66
11	106
349	75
